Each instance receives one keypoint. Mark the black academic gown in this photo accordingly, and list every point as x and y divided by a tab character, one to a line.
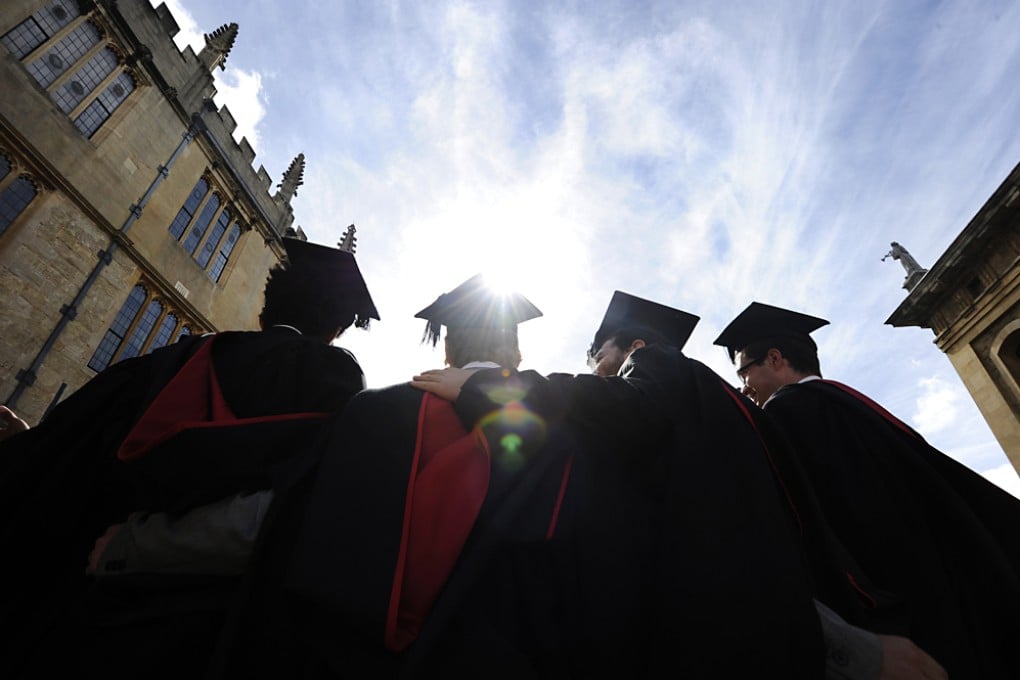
324	609
62	484
940	540
677	551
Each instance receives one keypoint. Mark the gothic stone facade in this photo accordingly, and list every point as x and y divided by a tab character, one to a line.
970	299
128	213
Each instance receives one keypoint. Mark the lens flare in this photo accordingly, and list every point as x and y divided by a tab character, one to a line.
506	393
517	433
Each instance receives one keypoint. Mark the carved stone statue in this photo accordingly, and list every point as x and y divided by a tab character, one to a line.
915	272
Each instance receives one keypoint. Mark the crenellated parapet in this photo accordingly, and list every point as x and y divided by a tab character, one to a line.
186	80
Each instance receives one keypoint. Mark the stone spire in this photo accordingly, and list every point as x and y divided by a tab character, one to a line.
914	271
217	46
348	241
292	179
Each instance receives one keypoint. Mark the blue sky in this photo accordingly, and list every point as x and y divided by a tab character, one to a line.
701	154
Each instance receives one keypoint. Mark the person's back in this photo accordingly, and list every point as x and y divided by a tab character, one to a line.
670	496
717	507
200	421
937	541
933	534
398	494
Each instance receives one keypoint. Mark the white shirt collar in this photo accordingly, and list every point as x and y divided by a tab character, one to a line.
802	380
481	364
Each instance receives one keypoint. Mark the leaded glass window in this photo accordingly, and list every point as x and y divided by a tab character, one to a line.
85	80
99	110
63	55
142	325
142	329
187	210
71	65
164	332
39	27
110	343
201	224
224	255
214	239
14	198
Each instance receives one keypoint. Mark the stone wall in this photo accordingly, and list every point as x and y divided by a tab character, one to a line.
88	188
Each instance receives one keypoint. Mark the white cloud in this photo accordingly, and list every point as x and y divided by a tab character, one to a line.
241	92
189	33
679	151
936	407
1005	477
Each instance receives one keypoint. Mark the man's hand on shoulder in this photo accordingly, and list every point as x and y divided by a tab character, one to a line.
444	383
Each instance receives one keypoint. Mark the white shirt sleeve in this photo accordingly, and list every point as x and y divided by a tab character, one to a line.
212	539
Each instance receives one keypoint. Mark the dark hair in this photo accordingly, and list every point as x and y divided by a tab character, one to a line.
467	344
802	353
624	337
308	302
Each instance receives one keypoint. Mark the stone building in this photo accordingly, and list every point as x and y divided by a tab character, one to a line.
970	299
129	215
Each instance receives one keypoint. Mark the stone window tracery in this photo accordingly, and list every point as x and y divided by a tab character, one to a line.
66	54
210	246
16	192
144	323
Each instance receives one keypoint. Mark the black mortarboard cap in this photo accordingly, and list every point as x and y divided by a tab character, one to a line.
473	304
761	322
336	269
629	311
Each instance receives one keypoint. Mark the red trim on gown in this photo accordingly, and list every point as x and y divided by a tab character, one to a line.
445	491
192	399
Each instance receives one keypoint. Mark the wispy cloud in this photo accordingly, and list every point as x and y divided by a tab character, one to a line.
693	153
238	89
190	34
241	92
936	406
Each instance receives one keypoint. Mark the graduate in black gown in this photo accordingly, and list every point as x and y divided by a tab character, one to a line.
677	551
407	511
209	418
938	539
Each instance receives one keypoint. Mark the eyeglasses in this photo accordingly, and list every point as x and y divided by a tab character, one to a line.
743	370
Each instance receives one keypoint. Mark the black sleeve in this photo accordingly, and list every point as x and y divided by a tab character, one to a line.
621	412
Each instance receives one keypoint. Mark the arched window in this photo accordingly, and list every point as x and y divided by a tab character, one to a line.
14	198
164	333
214	239
62	56
85	79
187	210
110	343
142	325
40	27
15	194
1009	354
96	113
211	247
201	224
142	330
224	255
